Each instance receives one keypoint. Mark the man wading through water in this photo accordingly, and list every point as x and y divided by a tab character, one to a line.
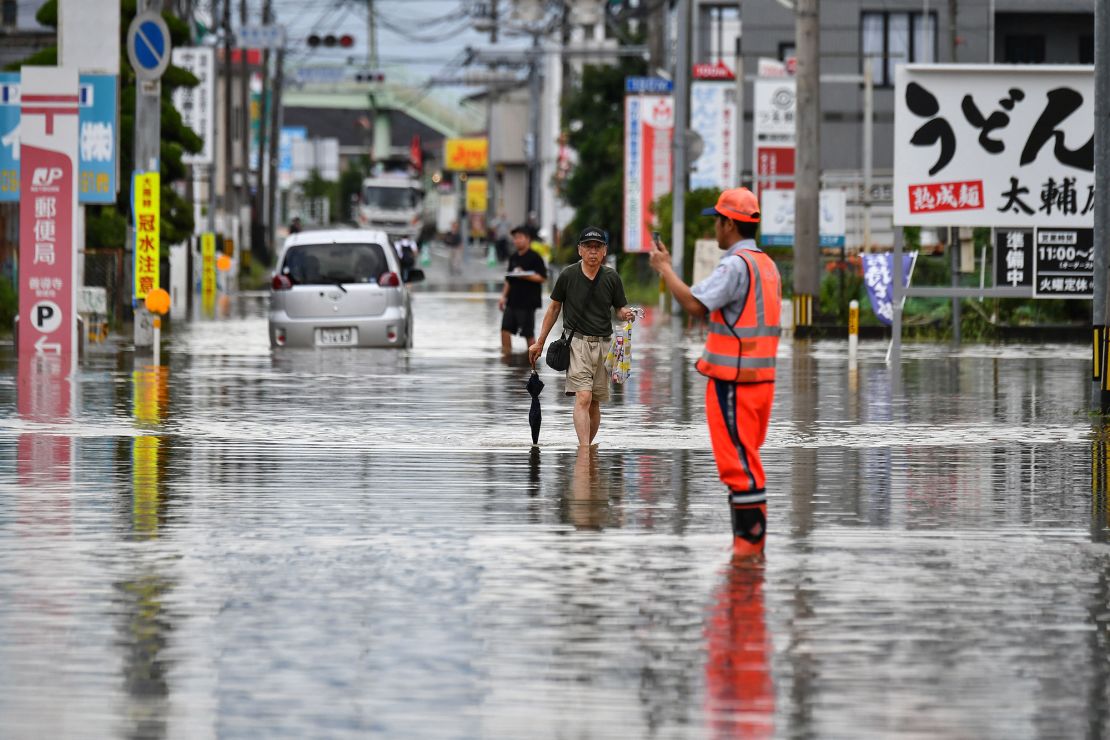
590	316
743	298
522	294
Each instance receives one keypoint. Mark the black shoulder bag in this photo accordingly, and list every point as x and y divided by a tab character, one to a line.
558	352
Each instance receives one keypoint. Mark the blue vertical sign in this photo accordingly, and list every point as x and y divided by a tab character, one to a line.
97	141
9	137
97	145
289	134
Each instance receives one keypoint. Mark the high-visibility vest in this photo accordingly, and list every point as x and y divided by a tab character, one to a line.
744	352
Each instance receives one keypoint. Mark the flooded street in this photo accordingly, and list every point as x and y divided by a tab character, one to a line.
363	542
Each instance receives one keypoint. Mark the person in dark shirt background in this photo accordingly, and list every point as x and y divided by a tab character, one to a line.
522	293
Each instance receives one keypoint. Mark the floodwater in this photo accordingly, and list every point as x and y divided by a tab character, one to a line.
364	543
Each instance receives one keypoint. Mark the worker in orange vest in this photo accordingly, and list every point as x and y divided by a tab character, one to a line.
743	298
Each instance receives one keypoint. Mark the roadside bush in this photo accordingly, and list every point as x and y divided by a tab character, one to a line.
9	304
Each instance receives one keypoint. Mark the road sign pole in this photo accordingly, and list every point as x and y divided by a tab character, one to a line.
1100	399
148	48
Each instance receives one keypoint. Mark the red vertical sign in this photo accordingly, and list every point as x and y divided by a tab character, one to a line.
47	267
48	197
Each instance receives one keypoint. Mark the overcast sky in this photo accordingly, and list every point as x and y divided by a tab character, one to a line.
417	39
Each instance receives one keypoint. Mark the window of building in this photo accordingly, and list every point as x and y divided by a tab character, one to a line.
892	38
8	13
1087	49
1024	48
786	50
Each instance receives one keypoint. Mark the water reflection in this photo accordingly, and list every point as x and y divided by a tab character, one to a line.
590	501
740	692
356	543
146	624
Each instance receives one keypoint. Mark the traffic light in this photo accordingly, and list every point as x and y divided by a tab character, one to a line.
346	41
367	76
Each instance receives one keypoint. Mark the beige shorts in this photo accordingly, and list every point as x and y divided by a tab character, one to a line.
587	367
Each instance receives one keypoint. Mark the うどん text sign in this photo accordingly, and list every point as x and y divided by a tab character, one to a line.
994	145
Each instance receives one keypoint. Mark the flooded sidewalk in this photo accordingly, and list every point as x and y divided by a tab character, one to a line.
364	542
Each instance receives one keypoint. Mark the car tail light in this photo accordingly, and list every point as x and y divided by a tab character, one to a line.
279	337
391	333
389	280
281	282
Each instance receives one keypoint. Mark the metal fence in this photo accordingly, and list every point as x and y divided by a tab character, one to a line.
104	269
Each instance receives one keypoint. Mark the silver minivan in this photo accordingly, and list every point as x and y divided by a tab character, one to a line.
340	288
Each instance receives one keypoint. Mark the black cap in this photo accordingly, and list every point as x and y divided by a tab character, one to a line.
593	234
522	229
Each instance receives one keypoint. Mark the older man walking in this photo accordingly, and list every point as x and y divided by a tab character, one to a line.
590	291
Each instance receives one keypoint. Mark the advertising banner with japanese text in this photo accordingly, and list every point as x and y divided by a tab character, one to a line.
776	228
477	195
878	276
466	155
97	149
197	104
47	226
648	132
999	145
208	274
145	204
773	133
713	117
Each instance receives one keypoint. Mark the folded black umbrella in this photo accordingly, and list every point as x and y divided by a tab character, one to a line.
535	385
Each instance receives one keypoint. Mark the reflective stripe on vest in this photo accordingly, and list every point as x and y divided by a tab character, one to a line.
744	352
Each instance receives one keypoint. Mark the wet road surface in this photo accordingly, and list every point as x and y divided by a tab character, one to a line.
353	543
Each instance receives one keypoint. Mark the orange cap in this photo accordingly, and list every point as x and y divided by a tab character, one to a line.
739	204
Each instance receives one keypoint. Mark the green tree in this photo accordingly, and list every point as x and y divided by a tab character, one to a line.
107	225
593	114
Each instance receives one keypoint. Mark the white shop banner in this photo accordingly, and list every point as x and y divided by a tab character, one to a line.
776	228
713	117
994	145
197	104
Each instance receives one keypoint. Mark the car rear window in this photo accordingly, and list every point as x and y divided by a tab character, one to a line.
320	264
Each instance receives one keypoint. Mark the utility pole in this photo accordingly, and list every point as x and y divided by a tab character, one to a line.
656	23
371	37
258	236
534	88
275	136
229	174
807	184
1100	316
678	142
245	140
493	21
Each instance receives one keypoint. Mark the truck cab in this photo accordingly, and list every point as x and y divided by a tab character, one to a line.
393	203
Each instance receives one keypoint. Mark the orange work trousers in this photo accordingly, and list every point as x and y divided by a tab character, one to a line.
738	414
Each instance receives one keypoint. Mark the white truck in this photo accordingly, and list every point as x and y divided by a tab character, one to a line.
392	202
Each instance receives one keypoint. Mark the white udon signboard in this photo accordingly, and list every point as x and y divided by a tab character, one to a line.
994	145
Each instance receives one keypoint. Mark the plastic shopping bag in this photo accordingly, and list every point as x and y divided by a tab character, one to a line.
619	360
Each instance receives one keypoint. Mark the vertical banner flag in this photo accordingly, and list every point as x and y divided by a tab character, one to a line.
97	150
477	194
648	131
773	134
878	275
713	117
208	273
145	193
47	227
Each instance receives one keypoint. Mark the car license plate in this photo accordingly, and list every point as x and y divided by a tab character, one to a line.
336	337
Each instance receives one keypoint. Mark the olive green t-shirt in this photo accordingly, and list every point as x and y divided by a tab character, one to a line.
595	319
